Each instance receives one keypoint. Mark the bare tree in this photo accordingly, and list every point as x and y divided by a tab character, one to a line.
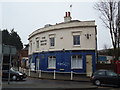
109	16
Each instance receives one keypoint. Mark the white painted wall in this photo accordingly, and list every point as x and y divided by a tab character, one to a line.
64	36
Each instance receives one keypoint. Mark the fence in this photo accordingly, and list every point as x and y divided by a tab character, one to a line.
117	63
106	66
114	66
56	75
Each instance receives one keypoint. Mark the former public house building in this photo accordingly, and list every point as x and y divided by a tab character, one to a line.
64	47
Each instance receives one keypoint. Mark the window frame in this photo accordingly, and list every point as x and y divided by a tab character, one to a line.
37	44
52	42
31	46
76	40
53	60
78	64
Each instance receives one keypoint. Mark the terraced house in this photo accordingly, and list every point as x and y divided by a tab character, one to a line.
64	47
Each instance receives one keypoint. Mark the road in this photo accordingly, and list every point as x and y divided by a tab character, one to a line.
35	84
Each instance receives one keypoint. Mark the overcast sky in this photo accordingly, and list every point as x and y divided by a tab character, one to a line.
26	17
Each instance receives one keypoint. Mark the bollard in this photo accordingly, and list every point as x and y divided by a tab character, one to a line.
39	73
28	72
54	74
71	75
24	70
20	69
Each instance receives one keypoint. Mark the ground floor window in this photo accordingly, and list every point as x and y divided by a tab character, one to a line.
76	62
52	62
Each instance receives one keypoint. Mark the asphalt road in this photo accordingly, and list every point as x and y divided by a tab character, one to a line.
38	84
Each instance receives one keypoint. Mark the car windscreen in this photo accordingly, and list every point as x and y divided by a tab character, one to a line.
11	69
100	73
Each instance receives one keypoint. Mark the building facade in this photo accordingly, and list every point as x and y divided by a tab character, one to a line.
64	47
23	57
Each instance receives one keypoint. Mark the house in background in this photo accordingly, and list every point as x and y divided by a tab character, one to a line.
23	57
105	59
64	47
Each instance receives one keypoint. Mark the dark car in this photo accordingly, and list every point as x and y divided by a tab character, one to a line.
14	75
105	77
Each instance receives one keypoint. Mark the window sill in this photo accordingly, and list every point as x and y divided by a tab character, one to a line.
51	47
51	68
61	69
76	45
76	68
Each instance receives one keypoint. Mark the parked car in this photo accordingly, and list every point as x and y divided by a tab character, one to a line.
105	77
14	75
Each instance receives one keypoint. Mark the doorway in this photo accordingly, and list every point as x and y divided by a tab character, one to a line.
37	63
89	65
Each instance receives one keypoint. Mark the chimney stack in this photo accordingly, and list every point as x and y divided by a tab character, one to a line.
67	17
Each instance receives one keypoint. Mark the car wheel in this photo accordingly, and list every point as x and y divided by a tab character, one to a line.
14	77
97	82
20	79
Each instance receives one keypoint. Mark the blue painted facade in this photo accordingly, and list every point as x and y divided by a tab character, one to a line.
63	60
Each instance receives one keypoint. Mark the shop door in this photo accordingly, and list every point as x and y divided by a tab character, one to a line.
88	65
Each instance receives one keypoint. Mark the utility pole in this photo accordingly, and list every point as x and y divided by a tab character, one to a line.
9	66
118	27
1	59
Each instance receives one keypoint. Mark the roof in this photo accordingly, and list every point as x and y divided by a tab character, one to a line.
64	25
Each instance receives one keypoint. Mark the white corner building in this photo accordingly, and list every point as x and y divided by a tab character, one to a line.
64	47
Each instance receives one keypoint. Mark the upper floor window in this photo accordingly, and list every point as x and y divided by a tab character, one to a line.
31	46
37	44
52	42
76	39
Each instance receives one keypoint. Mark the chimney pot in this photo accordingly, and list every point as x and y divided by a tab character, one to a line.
67	17
68	14
65	14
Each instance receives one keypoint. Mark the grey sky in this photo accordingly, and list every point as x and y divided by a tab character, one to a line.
26	17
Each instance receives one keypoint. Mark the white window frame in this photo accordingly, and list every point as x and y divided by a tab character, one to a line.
76	33
75	43
52	35
52	42
78	63
37	44
51	62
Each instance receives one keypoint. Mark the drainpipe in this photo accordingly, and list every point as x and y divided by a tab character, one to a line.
96	54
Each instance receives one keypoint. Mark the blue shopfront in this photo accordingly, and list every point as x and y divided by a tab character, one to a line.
63	61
